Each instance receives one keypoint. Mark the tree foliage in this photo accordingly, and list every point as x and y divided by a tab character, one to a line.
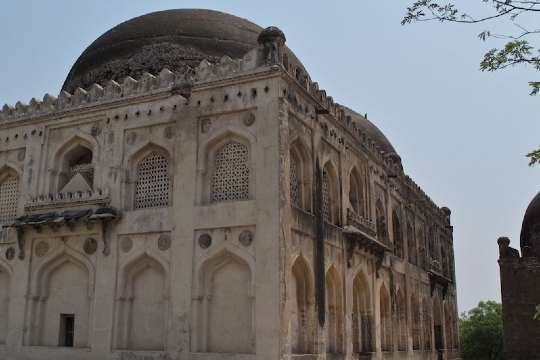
518	49
481	332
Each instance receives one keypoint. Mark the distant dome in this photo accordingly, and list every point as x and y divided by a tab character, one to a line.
530	229
372	131
172	38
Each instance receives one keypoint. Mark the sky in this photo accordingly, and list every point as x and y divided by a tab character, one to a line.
462	134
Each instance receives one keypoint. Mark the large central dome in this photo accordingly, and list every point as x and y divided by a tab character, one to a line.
172	38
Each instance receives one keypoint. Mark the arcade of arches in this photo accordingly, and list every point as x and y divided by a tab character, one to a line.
206	200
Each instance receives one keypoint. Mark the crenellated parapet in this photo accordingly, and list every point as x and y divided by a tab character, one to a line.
112	91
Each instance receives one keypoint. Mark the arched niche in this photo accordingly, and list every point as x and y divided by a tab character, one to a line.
226	316
427	327
300	175
10	190
74	166
385	316
448	325
438	324
334	311
411	244
142	309
356	192
5	291
381	221
302	308
63	287
330	194
421	241
416	323
401	321
150	177
362	316
397	234
226	167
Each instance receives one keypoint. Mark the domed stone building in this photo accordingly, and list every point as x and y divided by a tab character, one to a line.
193	194
520	285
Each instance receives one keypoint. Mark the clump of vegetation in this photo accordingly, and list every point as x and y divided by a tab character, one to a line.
481	332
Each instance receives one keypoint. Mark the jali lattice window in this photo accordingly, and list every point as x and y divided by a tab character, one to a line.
326	197
9	196
231	175
153	184
296	195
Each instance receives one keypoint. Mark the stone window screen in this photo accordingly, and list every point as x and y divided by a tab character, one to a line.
326	197
296	194
152	188
231	173
9	196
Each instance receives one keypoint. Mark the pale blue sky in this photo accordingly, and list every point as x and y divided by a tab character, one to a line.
462	133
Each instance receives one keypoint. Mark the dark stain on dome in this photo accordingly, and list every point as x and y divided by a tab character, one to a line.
174	39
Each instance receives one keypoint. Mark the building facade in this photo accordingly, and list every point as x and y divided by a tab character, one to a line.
193	194
520	288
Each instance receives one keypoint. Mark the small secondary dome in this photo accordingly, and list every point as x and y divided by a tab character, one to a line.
530	229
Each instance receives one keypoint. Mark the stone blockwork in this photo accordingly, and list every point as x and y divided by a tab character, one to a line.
520	287
230	210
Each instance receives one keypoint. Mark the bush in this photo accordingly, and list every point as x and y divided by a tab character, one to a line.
481	332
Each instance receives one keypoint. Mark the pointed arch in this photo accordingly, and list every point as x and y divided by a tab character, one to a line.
226	317
421	241
438	323
74	164
411	243
381	222
226	166
152	177
10	190
64	284
302	303
362	316
55	260
334	311
330	194
426	323
397	234
386	319
142	305
356	192
300	175
448	326
416	322
401	321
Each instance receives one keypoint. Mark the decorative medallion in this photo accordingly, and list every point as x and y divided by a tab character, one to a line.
205	240
205	125
90	246
126	244
42	248
249	119
10	253
131	138
245	238
168	132
164	242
